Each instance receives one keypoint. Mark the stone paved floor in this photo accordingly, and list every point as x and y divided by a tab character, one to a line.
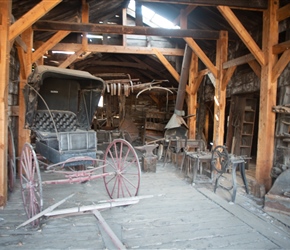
178	216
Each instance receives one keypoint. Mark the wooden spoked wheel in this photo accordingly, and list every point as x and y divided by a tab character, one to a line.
121	161
11	162
220	159
31	186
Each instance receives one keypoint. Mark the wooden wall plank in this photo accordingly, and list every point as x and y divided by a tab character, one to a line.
31	17
5	9
268	95
242	33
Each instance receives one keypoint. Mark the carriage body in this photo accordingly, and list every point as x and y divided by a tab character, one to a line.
60	105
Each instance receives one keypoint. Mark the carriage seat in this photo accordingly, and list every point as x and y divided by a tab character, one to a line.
62	134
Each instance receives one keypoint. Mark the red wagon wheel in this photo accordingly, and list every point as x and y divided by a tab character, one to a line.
11	161
30	179
122	162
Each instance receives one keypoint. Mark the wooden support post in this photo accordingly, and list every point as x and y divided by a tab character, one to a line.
85	19
268	95
124	22
192	97
220	92
25	70
5	9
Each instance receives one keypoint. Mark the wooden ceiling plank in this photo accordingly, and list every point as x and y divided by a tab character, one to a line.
241	4
167	64
281	47
283	13
242	33
31	17
202	56
280	65
56	38
71	59
119	49
121	30
238	61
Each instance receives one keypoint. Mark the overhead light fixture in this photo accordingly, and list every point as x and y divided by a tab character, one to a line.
94	36
63	52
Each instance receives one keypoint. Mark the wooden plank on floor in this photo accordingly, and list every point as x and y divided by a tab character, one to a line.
279	237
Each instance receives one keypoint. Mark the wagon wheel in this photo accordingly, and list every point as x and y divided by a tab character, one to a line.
220	159
121	161
31	186
11	163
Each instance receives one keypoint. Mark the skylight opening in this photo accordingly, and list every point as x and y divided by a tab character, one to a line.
153	19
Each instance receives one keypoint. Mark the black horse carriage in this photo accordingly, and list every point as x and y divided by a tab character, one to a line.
60	105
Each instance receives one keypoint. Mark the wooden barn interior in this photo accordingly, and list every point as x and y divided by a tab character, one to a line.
224	63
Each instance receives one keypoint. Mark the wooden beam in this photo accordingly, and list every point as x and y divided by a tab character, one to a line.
241	4
283	13
167	64
20	43
280	65
25	68
220	92
227	76
121	30
5	7
202	56
56	38
118	49
242	33
268	95
186	12
256	67
71	59
31	17
124	22
238	61
281	47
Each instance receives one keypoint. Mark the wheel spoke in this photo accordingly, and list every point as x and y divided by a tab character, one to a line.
126	180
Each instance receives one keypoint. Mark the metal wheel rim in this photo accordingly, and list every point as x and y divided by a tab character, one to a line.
121	159
220	157
11	161
31	186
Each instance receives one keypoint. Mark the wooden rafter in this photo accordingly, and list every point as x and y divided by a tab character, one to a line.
121	30
242	33
31	17
49	44
202	56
